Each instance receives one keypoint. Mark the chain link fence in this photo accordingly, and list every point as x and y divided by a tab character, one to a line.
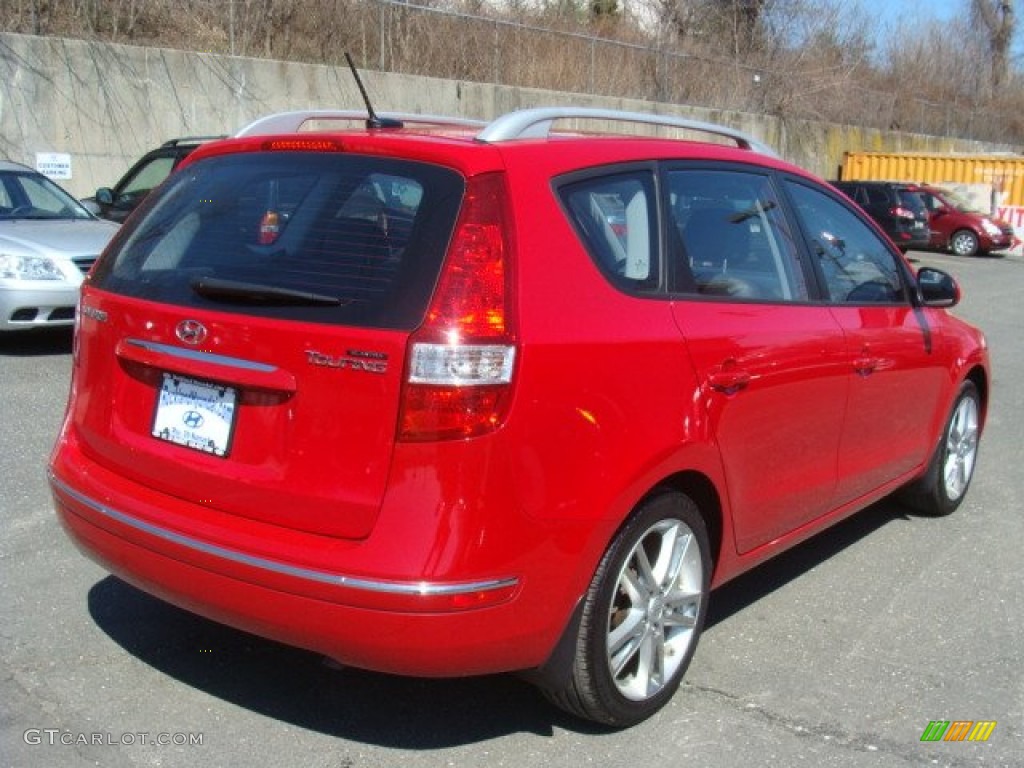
574	52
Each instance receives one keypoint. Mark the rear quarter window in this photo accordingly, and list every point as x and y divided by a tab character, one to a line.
616	217
330	238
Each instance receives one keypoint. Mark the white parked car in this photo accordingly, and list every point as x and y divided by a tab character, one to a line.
48	242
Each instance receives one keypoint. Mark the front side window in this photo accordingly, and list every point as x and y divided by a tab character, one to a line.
931	203
855	264
615	217
148	176
730	238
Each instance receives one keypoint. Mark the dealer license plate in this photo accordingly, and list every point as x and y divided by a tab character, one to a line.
196	414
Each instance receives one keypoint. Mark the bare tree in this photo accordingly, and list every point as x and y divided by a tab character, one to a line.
745	16
1000	23
799	59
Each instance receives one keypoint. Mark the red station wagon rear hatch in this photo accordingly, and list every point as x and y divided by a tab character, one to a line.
245	340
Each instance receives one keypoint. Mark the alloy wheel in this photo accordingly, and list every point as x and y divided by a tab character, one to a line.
654	610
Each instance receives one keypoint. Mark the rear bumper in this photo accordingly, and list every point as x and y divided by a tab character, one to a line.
437	628
908	238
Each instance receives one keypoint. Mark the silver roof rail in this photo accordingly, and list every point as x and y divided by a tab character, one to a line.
290	122
536	123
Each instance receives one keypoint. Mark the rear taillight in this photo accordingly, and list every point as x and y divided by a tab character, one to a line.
270	228
461	361
902	213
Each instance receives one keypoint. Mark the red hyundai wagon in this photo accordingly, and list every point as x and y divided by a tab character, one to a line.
441	398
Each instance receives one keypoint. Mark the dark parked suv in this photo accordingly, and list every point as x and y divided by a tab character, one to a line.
440	398
897	207
115	203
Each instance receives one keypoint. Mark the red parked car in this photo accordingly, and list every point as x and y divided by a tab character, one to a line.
957	226
442	398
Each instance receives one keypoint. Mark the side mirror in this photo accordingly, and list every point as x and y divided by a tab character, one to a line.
105	196
937	288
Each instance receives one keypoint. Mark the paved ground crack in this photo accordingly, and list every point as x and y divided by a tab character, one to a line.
837	736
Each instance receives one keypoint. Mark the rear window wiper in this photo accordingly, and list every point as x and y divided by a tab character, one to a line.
255	293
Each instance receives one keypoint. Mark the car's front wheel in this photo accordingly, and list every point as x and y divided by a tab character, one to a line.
964	243
642	615
941	489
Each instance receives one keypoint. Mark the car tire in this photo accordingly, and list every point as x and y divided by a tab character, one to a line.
964	243
943	486
642	615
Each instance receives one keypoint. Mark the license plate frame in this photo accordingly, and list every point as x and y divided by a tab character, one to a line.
199	415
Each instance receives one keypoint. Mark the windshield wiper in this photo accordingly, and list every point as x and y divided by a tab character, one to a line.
255	293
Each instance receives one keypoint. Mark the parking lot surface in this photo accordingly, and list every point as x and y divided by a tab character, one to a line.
839	653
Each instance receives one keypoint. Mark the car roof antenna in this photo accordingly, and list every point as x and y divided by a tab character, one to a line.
373	121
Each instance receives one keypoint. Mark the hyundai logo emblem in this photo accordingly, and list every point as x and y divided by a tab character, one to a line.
191	332
192	419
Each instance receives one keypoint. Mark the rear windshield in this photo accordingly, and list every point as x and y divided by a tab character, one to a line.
912	200
316	237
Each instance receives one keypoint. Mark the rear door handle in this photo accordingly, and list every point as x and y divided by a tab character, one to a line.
865	366
729	380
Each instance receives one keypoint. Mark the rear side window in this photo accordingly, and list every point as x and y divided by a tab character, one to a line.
729	238
853	191
329	238
877	196
615	217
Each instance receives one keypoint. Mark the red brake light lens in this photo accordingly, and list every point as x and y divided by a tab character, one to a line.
471	300
461	360
303	145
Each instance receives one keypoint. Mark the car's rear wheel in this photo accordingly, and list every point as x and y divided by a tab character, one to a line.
642	615
964	243
941	489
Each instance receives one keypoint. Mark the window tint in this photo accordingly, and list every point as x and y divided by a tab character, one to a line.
32	196
931	203
877	195
853	191
615	217
855	264
729	237
43	197
912	200
323	238
149	175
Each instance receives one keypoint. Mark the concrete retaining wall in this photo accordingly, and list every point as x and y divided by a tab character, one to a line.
105	105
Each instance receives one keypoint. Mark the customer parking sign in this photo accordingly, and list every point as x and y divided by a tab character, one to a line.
54	165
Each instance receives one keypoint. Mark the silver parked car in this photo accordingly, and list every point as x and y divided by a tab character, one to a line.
48	242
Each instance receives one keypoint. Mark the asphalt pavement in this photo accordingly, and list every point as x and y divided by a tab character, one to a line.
839	653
